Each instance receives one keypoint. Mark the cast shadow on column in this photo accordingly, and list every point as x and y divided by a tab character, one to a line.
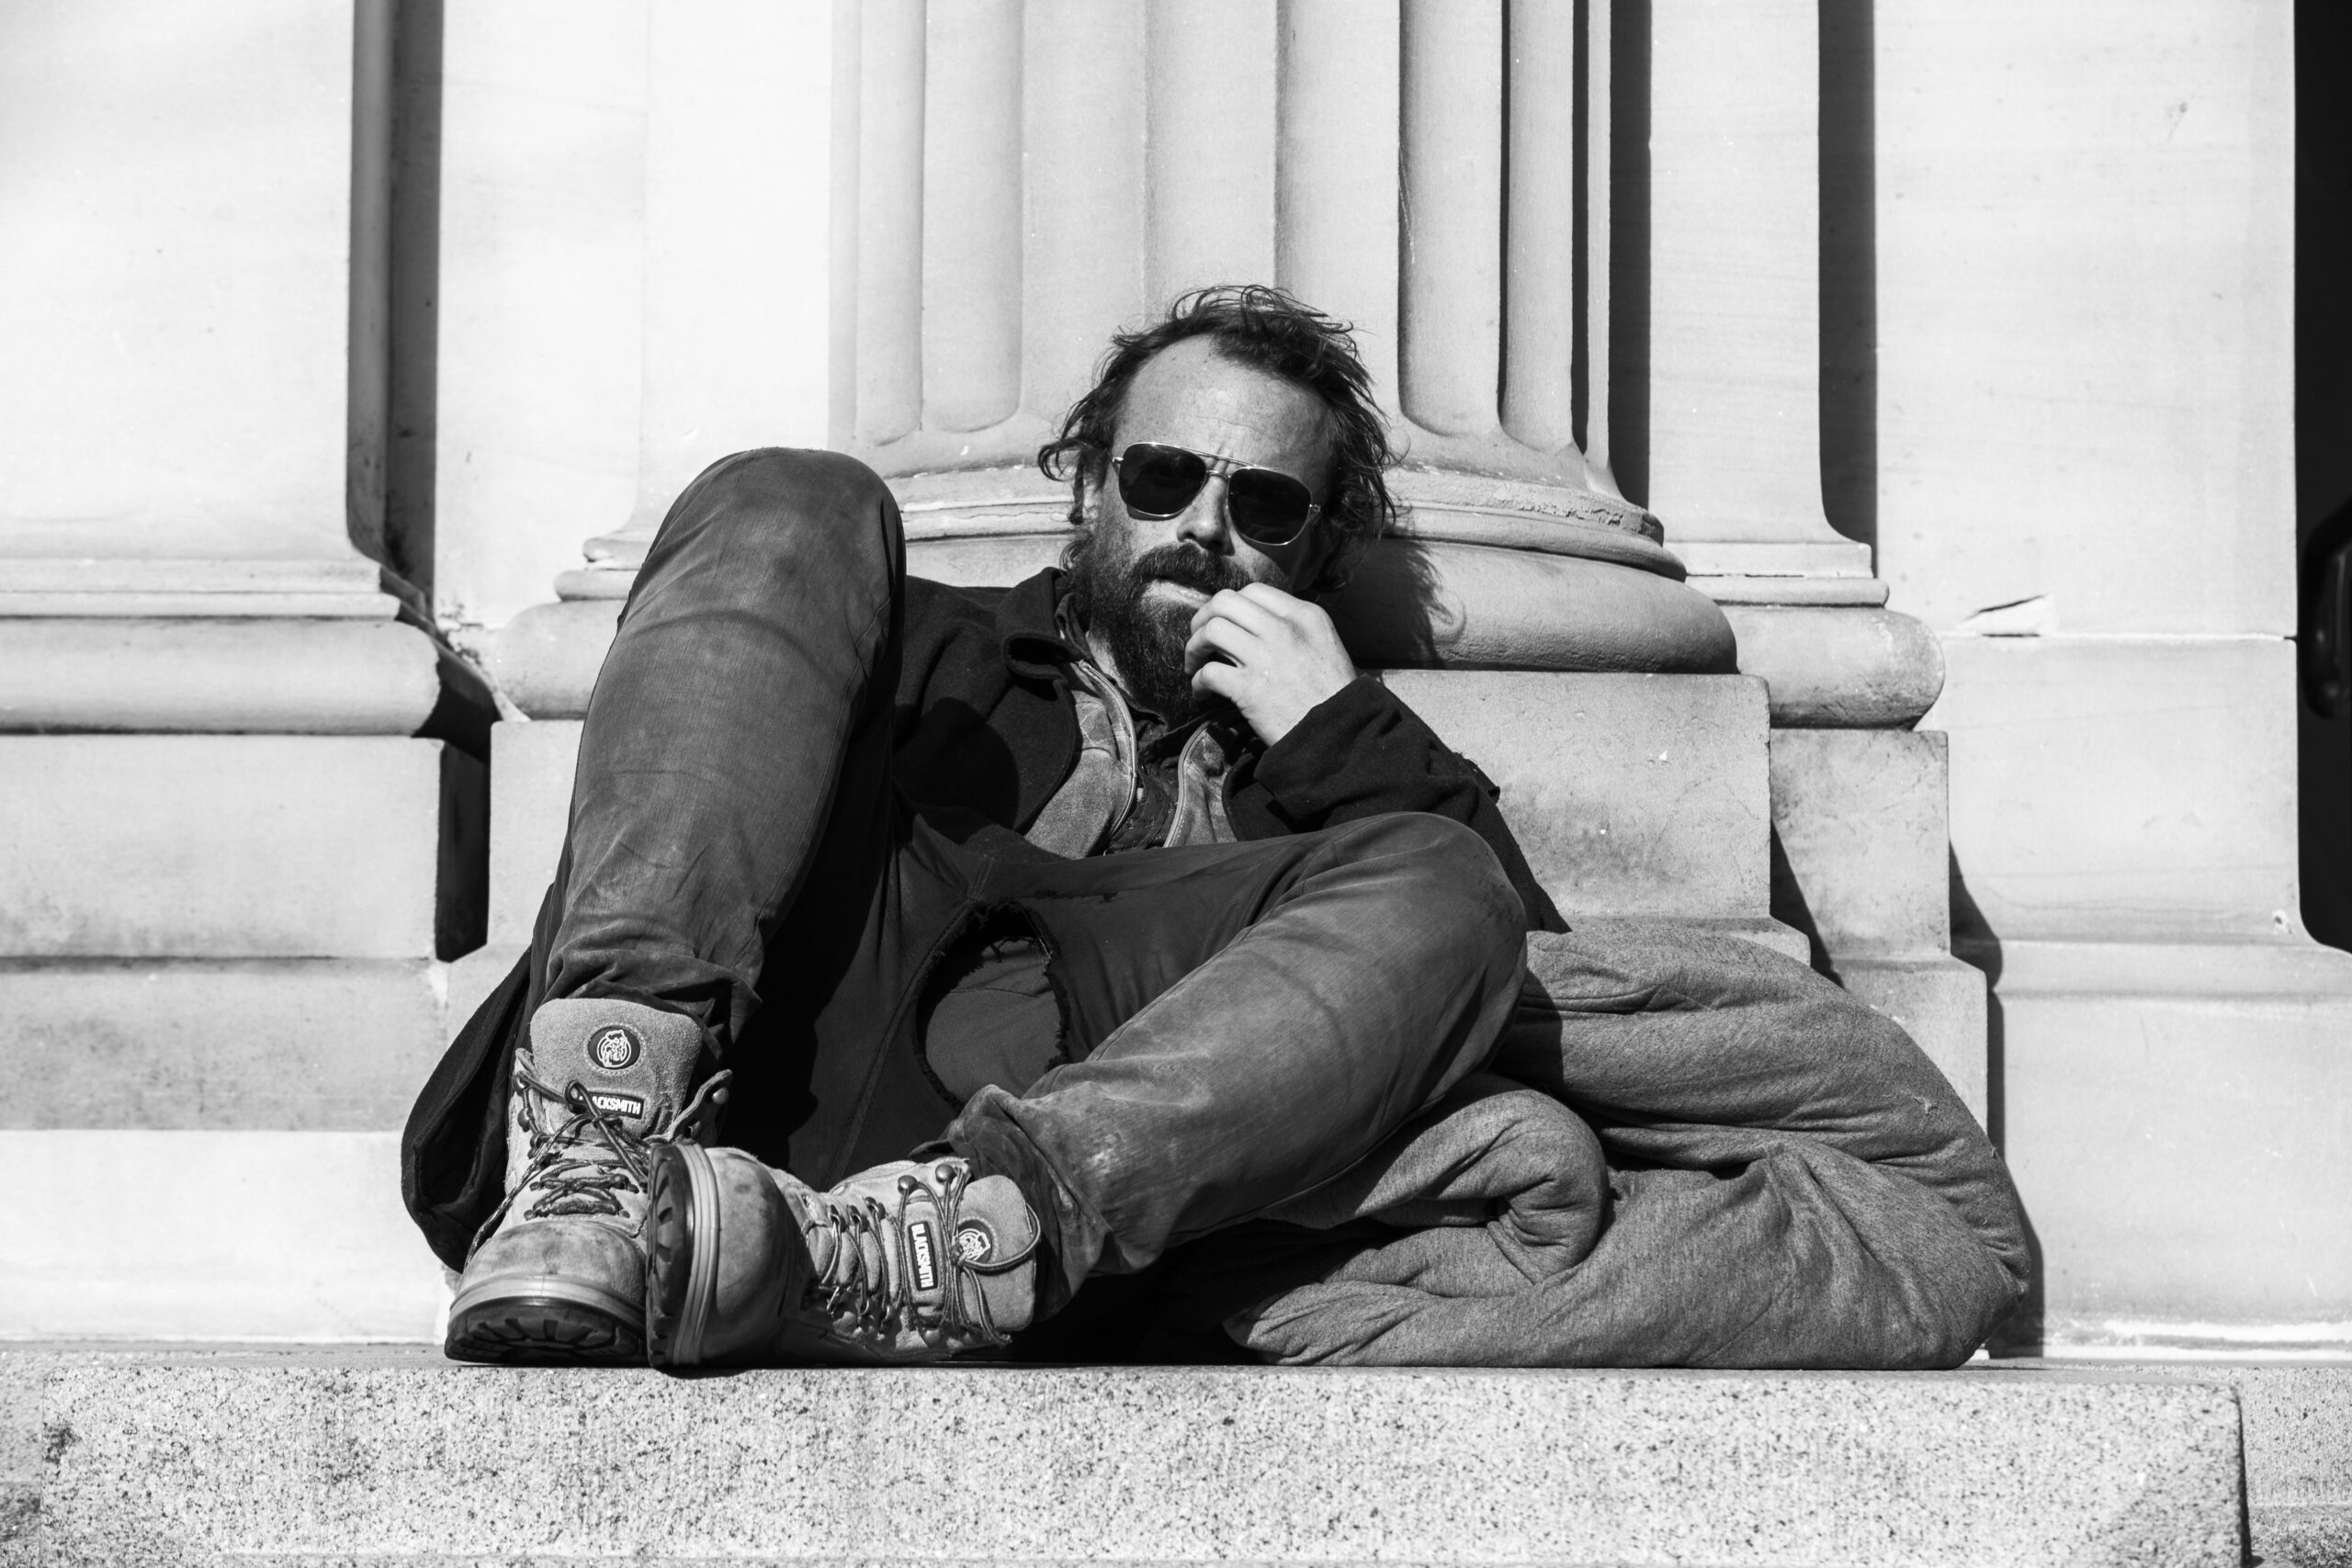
1848	173
1973	941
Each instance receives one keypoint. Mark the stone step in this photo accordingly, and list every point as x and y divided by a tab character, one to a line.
2298	1419
395	1456
228	846
210	1233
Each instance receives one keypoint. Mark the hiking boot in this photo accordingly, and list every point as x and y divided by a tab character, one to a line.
557	1274
912	1261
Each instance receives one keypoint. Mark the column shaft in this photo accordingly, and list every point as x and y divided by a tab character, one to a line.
1735	277
889	220
1082	271
727	350
1450	347
1210	86
1539	348
541	294
971	220
1600	191
1335	198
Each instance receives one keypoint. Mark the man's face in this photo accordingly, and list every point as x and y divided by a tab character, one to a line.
1141	578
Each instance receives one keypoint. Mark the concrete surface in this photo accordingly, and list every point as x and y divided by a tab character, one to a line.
2123	788
218	846
1864	860
309	1456
296	1045
1631	795
531	803
1862	865
2178	1119
216	1235
2298	1451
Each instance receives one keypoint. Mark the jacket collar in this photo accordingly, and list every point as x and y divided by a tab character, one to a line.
1027	632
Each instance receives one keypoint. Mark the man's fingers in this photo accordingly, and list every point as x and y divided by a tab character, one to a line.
1221	679
1240	608
1217	636
1273	599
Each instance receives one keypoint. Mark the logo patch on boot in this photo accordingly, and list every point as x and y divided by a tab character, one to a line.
613	1048
613	1104
923	1254
974	1244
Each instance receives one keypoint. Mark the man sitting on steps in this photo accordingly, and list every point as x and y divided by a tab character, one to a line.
1117	899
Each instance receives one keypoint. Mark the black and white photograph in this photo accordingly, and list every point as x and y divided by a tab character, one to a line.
1080	783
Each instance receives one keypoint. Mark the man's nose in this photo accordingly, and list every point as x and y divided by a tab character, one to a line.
1203	522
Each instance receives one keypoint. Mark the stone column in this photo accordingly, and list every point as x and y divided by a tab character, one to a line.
1731	394
1012	182
226	867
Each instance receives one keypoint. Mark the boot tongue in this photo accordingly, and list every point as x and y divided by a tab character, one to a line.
995	1250
635	1062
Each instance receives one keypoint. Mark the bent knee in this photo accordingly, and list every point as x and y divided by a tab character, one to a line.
786	500
791	478
1439	866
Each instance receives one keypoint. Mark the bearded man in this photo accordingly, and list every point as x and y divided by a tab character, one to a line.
1025	934
1117	894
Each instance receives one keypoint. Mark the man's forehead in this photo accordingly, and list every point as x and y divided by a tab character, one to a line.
1190	394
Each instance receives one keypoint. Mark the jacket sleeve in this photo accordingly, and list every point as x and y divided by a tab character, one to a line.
1362	751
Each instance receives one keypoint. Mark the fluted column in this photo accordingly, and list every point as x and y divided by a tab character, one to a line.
1012	182
1733	283
736	251
229	868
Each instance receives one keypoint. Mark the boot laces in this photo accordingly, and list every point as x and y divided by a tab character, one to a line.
583	1164
862	1270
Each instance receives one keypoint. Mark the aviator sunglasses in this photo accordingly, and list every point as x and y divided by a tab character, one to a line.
1267	508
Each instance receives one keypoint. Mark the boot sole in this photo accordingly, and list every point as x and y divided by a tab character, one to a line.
681	1255
544	1322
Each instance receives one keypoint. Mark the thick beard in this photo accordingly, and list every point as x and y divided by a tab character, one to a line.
1147	637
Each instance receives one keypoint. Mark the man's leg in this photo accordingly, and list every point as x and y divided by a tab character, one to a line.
742	713
1252	1018
1280	1008
737	736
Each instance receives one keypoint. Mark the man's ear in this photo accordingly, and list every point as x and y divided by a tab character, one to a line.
1089	502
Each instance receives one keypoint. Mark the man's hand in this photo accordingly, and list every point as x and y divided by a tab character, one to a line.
1268	654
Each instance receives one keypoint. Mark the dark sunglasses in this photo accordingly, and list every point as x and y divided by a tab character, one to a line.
1266	508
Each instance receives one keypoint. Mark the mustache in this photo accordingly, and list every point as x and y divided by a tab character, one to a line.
1187	566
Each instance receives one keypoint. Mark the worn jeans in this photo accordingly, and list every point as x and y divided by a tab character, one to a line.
1239	1023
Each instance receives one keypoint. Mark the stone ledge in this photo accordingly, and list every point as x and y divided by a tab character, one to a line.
398	1456
1833	667
2298	1451
215	1235
220	846
274	676
295	1045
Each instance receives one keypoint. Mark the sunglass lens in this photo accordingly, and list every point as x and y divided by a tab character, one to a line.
1160	481
1267	507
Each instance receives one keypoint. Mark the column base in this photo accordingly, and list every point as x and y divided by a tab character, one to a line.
1941	1003
2178	1117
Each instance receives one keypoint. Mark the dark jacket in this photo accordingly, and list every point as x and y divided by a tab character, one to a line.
988	730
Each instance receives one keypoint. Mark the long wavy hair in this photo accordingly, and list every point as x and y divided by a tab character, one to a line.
1266	330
